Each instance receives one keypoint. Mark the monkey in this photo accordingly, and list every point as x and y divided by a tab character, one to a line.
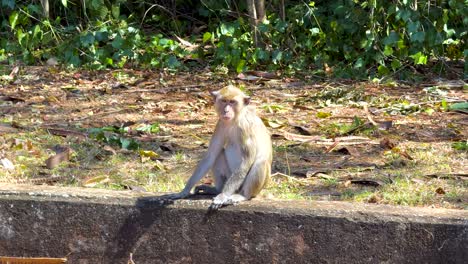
239	153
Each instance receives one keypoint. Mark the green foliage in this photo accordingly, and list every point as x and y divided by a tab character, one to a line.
357	39
152	128
339	129
119	136
113	136
459	106
462	145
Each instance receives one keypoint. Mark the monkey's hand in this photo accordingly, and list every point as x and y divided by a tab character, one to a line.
176	196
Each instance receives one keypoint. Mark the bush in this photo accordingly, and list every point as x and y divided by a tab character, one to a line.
355	38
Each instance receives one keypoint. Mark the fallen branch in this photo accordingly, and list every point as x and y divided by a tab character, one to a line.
319	140
369	117
289	178
65	133
35	181
462	176
187	88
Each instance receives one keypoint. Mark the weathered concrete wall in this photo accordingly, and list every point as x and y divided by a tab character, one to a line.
96	226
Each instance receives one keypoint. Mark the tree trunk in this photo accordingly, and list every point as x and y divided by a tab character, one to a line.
253	19
282	11
45	8
256	9
260	8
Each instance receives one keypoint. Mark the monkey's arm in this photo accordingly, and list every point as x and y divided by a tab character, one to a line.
214	149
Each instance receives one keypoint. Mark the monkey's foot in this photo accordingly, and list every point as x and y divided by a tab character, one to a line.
222	200
206	189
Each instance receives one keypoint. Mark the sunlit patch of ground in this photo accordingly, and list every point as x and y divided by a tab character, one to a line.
145	131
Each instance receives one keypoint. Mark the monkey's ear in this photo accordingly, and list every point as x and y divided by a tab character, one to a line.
246	100
214	94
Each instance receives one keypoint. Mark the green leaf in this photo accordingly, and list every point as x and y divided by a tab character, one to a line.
459	106
34	10
240	66
9	3
396	64
72	59
413	26
449	32
115	10
263	28
117	43
429	111
172	62
87	40
109	61
357	121
388	51
164	42
444	105
153	128
261	54
13	19
419	58
206	37
128	144
418	37
276	56
103	11
95	4
64	2
383	70
20	35
314	31
102	35
392	38
227	30
37	33
462	145
281	26
359	63
404	15
323	114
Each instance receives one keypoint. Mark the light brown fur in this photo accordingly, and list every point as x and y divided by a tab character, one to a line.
239	154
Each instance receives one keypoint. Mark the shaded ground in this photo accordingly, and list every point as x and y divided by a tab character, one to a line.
142	130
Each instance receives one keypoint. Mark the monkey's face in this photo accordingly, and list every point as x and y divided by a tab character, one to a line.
228	109
229	103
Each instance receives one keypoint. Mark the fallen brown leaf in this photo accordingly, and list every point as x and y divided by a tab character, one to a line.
387	143
440	190
348	150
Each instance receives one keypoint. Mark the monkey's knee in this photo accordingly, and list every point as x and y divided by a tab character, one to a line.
255	181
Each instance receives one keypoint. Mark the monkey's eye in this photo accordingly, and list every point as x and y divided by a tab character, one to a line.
223	101
232	102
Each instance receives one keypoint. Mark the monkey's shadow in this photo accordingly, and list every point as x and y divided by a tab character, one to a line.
138	222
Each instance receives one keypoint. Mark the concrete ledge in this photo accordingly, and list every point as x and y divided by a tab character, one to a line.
98	226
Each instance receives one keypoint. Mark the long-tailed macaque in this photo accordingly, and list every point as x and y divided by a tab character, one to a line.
239	153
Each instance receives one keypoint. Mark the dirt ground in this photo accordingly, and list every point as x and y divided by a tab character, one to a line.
391	143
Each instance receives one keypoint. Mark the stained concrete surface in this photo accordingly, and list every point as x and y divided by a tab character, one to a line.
100	226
